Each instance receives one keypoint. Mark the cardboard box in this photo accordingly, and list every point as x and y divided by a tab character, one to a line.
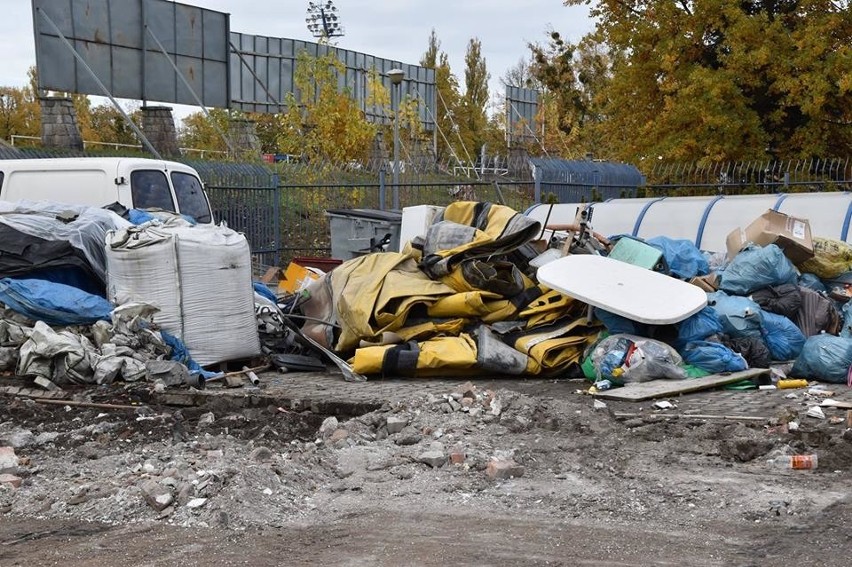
791	234
708	283
296	278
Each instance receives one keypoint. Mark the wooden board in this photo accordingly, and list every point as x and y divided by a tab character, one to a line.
640	391
624	289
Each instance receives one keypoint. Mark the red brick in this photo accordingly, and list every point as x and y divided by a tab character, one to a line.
503	468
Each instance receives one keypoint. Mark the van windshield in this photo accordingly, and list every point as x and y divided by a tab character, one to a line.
150	190
190	197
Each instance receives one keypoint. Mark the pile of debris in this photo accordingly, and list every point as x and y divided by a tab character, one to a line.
470	298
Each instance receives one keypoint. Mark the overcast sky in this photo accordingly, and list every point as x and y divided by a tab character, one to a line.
393	29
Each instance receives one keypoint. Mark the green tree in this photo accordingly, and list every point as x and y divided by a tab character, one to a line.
201	132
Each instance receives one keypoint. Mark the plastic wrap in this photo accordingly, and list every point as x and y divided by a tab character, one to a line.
86	230
200	279
53	303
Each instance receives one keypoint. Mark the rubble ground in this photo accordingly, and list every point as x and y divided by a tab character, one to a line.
470	477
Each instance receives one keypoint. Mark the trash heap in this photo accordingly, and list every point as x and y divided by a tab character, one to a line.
464	301
87	297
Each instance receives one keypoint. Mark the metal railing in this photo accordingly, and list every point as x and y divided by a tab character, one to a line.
87	144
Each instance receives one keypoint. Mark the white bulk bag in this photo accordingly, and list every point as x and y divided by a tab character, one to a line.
200	279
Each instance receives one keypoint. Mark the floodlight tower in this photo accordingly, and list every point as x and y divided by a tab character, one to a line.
323	21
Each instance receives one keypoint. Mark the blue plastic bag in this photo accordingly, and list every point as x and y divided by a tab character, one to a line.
824	357
699	326
755	268
811	281
784	339
713	357
846	330
618	325
53	303
684	259
181	354
739	316
263	290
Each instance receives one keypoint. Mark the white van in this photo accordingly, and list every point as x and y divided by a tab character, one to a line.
135	183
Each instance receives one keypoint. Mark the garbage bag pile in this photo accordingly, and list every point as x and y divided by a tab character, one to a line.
464	300
766	311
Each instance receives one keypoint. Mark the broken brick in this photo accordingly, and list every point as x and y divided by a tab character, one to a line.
503	468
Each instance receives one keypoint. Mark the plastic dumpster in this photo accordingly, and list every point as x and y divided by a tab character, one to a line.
355	232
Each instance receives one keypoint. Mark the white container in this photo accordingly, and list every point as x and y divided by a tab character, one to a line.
416	222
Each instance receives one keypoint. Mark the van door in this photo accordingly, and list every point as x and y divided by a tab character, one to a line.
192	201
149	189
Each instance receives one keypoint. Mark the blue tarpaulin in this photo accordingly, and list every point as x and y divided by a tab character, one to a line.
53	303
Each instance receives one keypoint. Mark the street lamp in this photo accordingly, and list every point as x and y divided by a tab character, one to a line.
323	21
396	77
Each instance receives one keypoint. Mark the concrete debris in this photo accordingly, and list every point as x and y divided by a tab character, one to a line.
396	424
262	454
329	426
157	496
11	480
816	412
8	460
196	503
434	459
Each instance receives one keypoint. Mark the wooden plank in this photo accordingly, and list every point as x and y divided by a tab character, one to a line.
640	391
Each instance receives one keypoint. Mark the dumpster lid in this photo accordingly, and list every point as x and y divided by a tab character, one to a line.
375	214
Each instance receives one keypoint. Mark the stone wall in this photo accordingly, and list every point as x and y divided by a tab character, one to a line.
158	125
59	127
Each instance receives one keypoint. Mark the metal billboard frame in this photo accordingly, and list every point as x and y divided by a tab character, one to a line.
135	49
263	69
521	111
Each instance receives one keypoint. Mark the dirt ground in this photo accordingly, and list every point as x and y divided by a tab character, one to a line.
536	481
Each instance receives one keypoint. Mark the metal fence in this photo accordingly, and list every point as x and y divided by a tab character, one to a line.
284	221
782	176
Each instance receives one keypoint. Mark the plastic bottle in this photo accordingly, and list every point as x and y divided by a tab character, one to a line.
602	385
798	462
787	384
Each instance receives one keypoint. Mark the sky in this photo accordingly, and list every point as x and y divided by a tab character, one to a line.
392	29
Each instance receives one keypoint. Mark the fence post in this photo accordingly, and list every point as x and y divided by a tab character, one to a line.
382	198
276	208
537	190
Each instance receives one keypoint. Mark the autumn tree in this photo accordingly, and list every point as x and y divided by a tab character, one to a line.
447	104
472	116
326	124
20	112
204	131
718	80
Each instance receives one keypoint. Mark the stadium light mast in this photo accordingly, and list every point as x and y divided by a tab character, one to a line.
323	20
